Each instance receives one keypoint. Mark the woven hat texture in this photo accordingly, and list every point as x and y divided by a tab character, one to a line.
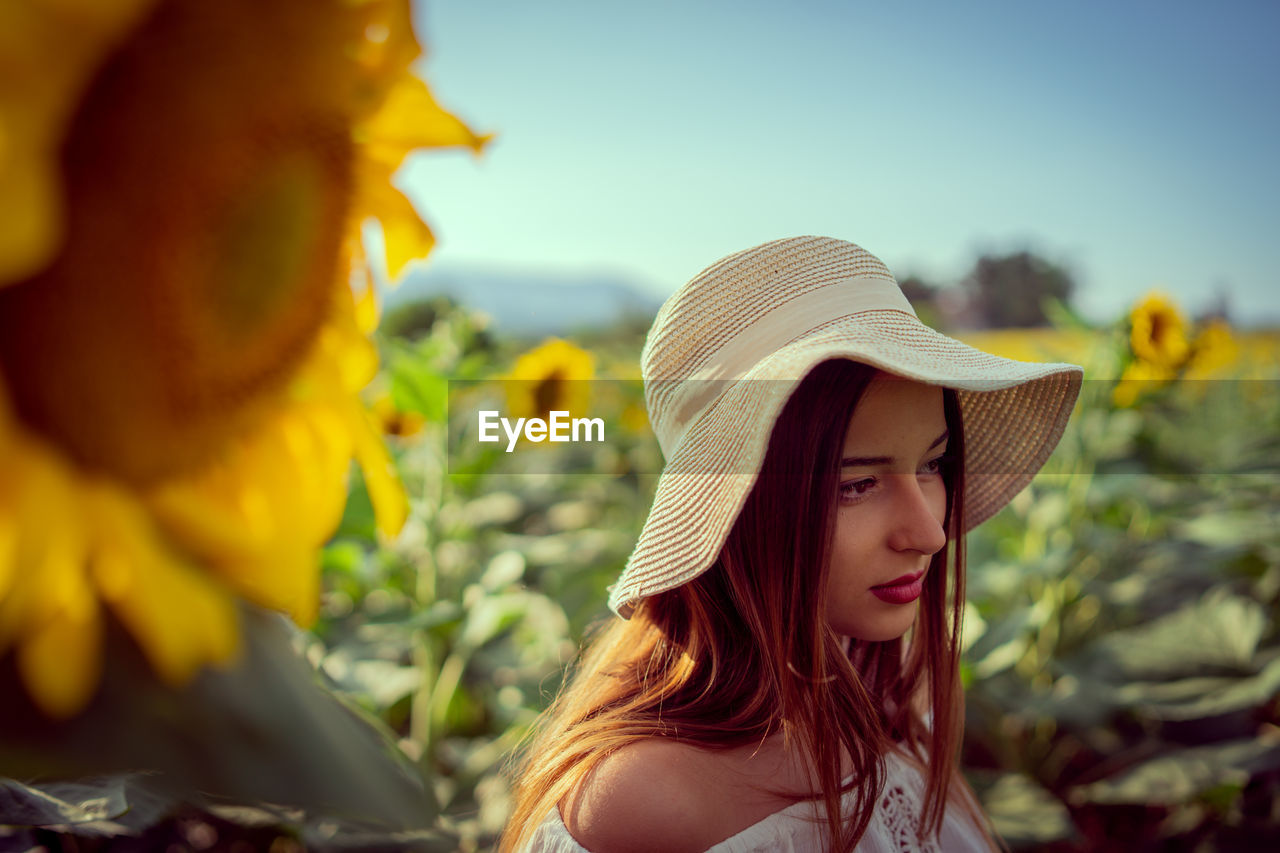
729	347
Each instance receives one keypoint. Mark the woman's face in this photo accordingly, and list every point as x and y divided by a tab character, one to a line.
891	504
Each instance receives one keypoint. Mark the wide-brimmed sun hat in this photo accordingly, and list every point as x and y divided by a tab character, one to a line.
727	350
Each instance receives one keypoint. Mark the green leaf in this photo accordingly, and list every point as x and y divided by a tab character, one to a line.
343	557
358	520
415	387
1227	529
1180	776
1024	813
492	615
1062	316
1200	698
263	730
506	568
1218	632
384	682
28	805
1003	643
102	806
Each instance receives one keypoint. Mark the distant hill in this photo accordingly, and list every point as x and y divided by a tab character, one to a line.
531	304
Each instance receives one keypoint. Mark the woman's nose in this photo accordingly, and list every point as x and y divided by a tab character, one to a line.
920	510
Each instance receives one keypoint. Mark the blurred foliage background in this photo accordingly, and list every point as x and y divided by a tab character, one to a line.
1122	660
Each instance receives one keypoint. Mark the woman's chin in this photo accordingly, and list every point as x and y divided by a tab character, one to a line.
878	627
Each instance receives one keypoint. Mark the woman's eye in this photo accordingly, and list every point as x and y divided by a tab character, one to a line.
937	465
857	488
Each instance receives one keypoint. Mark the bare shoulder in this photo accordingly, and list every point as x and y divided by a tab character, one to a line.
648	795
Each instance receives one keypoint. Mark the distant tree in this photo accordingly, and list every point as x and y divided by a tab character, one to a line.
923	296
916	288
1010	291
415	319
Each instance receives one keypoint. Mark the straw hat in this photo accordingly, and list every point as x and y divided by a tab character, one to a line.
727	350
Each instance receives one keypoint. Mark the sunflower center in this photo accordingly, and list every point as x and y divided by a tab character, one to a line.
1159	328
549	394
263	247
208	174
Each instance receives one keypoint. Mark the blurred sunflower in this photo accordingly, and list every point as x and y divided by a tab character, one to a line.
184	304
1139	378
392	420
634	418
1213	351
552	377
1157	332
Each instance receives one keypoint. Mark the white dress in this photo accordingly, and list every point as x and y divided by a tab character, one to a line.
796	829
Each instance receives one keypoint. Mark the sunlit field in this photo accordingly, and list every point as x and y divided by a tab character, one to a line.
1122	662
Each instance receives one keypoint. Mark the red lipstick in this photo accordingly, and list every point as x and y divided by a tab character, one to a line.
903	590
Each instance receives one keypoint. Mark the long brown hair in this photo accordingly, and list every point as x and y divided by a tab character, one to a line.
736	654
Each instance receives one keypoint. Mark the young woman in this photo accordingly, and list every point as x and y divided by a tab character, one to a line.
785	672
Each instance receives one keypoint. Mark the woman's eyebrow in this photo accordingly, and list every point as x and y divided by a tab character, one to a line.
864	461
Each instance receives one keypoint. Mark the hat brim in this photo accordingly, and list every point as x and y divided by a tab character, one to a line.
1014	414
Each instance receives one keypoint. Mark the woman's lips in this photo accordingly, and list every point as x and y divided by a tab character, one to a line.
903	590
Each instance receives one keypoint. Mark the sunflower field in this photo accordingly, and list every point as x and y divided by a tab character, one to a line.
261	588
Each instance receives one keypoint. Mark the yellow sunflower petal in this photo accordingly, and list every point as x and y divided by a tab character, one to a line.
554	355
217	513
36	101
178	641
411	118
8	546
365	297
386	47
61	662
48	610
1139	378
257	521
10	529
30	218
287	579
321	450
405	236
144	579
47	568
390	505
344	358
1213	352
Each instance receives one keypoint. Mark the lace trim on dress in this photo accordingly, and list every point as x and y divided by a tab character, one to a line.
796	829
900	813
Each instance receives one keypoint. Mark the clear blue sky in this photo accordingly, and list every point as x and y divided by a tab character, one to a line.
1138	143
